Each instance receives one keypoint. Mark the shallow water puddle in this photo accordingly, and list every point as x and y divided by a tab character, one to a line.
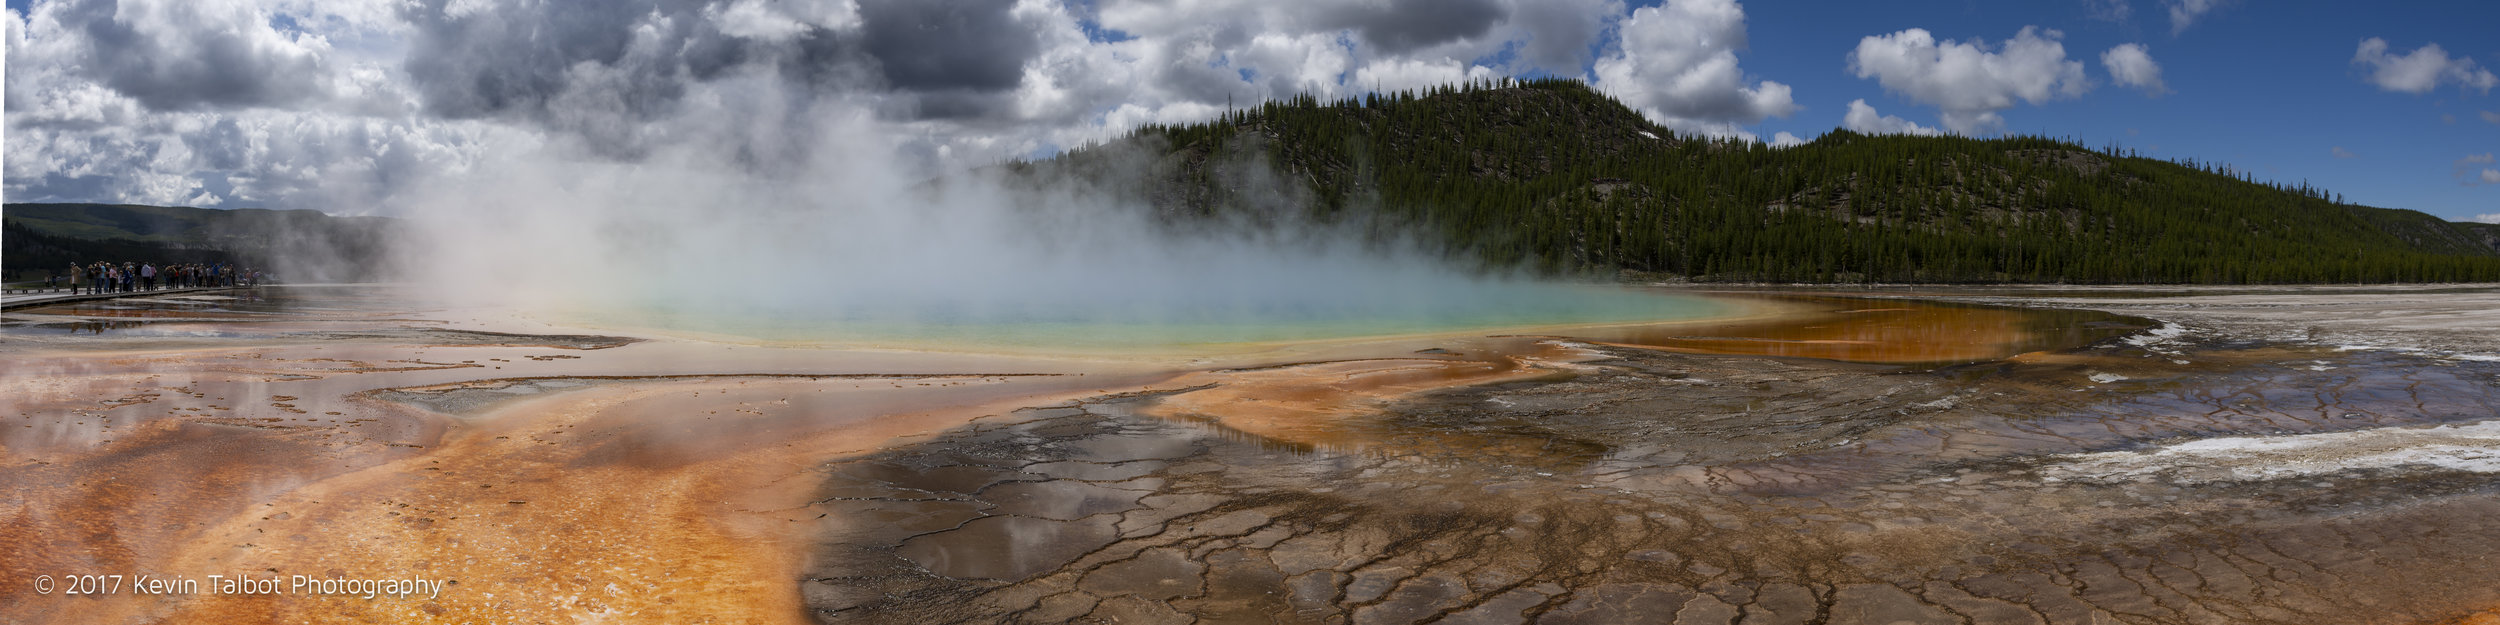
1886	331
1788	491
1897	461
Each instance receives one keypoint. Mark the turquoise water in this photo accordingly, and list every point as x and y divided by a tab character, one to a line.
1134	321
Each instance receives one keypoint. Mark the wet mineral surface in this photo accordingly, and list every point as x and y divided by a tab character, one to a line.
1853	460
1648	487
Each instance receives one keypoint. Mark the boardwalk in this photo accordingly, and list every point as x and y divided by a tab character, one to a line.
23	298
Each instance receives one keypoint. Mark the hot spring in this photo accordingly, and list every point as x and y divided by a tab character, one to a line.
1130	320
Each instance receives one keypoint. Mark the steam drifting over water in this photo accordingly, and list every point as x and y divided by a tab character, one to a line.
846	241
763	160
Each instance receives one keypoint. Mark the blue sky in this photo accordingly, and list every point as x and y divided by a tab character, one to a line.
2269	87
349	105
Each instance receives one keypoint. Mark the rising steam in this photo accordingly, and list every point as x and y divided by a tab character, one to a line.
845	232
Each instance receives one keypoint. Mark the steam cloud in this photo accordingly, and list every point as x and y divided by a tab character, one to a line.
850	235
346	106
753	156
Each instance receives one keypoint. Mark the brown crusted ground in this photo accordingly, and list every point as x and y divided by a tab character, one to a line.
1497	480
1660	488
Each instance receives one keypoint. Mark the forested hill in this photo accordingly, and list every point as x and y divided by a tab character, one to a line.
300	245
1552	175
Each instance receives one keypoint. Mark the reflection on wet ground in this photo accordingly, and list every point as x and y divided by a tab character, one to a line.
230	304
1896	461
258	314
1881	331
265	317
1658	488
87	327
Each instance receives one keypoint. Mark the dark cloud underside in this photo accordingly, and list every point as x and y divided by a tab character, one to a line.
515	58
195	69
292	102
941	45
1407	25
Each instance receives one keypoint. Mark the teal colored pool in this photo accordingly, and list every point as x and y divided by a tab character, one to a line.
1134	321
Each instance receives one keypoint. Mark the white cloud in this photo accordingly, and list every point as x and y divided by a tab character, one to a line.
308	111
2467	174
1863	118
1785	140
1184	60
2340	152
300	102
1677	65
2129	64
1289	64
2185	12
1416	74
1557	34
759	20
2486	218
1969	82
2419	71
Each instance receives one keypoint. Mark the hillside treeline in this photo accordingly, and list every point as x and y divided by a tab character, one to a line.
1553	176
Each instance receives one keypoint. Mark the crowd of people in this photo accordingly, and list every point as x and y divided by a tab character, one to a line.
130	277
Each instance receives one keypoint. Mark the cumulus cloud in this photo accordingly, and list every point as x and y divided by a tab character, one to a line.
2486	218
1785	140
1412	74
604	73
2131	65
1971	81
1398	26
1677	65
340	104
210	102
1559	33
1863	118
943	45
184	55
2475	169
2421	70
2185	12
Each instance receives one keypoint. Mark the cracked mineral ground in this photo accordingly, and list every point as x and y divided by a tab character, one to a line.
1947	456
1668	488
